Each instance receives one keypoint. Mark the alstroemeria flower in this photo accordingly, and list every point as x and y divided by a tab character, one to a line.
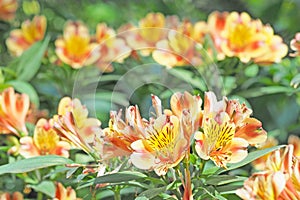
236	34
149	32
74	125
260	163
63	193
112	48
279	181
30	32
295	141
179	49
14	196
8	9
227	130
45	141
122	133
295	45
188	109
13	111
163	146
75	47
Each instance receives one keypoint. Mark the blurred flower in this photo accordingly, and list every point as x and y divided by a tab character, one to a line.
8	9
227	130
260	163
45	141
63	193
75	47
13	111
295	45
150	30
295	141
163	146
280	180
30	32
216	22
112	48
73	124
14	196
236	34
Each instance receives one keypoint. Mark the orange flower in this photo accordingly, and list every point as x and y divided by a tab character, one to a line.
8	9
30	32
227	130
112	48
14	196
13	110
163	147
260	163
63	193
188	109
73	124
295	141
75	47
122	133
295	45
150	31
45	141
236	34
280	180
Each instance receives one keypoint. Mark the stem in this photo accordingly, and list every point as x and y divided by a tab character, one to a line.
187	186
117	195
39	196
202	165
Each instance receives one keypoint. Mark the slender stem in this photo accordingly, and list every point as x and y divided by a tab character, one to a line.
117	195
39	196
202	166
188	186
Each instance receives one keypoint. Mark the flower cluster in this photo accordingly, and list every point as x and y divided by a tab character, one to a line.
279	180
170	41
162	141
8	9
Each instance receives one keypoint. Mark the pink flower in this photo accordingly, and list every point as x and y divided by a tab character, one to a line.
227	130
63	193
295	45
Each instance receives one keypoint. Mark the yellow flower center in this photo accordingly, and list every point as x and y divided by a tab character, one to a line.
45	140
77	45
240	36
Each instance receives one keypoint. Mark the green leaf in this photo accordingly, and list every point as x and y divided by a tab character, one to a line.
223	179
46	187
152	192
26	88
295	81
27	65
251	157
256	92
252	70
119	177
33	163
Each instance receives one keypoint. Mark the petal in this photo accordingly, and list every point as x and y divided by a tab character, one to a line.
238	147
142	160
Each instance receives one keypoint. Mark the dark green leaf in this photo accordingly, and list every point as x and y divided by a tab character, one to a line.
27	65
256	92
223	179
34	163
295	81
119	177
152	192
